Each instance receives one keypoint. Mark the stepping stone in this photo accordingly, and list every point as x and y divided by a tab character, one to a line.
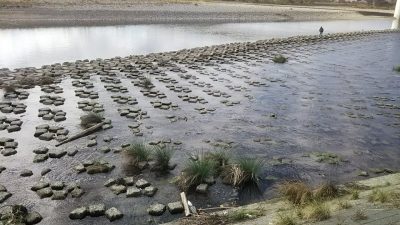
57	154
59	195
113	214
33	218
156	209
13	128
40	158
110	182
45	192
26	173
77	192
8	152
72	152
97	210
45	171
118	189
142	183
40	185
57	185
42	150
175	207
133	192
150	191
4	196
46	136
79	213
202	188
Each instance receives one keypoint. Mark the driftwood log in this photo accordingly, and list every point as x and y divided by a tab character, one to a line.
185	204
83	133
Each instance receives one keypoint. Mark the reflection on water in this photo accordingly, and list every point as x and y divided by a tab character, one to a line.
39	46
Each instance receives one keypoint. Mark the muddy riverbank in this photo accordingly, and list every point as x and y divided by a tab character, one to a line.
55	14
330	113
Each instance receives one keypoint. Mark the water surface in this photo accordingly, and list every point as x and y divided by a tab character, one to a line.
40	46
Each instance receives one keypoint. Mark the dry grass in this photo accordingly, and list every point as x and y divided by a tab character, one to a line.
139	152
316	211
243	172
344	205
9	88
284	219
217	219
296	192
45	80
359	215
326	191
91	119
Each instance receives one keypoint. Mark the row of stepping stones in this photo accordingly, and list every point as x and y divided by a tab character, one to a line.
115	88
12	107
112	80
52	89
256	83
18	214
142	84
165	105
124	99
83	83
167	80
94	167
43	153
8	146
11	124
17	94
153	94
52	100
56	114
193	99
201	84
46	132
237	88
229	103
86	94
57	190
178	88
158	209
4	194
132	113
96	210
217	93
203	110
131	188
90	106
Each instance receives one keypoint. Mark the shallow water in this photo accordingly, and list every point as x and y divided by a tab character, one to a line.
42	46
341	97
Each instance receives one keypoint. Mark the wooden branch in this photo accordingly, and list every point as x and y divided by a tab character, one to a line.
185	204
84	133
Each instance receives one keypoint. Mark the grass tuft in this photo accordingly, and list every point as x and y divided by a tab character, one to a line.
245	171
316	211
162	156
326	191
147	83
45	80
296	192
9	88
244	214
139	152
195	173
91	119
279	59
397	68
285	220
359	215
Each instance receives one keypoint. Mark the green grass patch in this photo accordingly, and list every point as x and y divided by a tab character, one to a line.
195	173
244	171
284	219
397	68
139	152
279	59
162	156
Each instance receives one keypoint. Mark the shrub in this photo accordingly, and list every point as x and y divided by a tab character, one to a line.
296	192
147	82
195	173
220	157
162	156
355	194
244	171
285	220
91	119
45	80
316	211
9	88
359	215
397	68
27	81
140	152
326	191
279	59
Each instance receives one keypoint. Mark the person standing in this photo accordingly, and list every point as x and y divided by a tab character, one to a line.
321	31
